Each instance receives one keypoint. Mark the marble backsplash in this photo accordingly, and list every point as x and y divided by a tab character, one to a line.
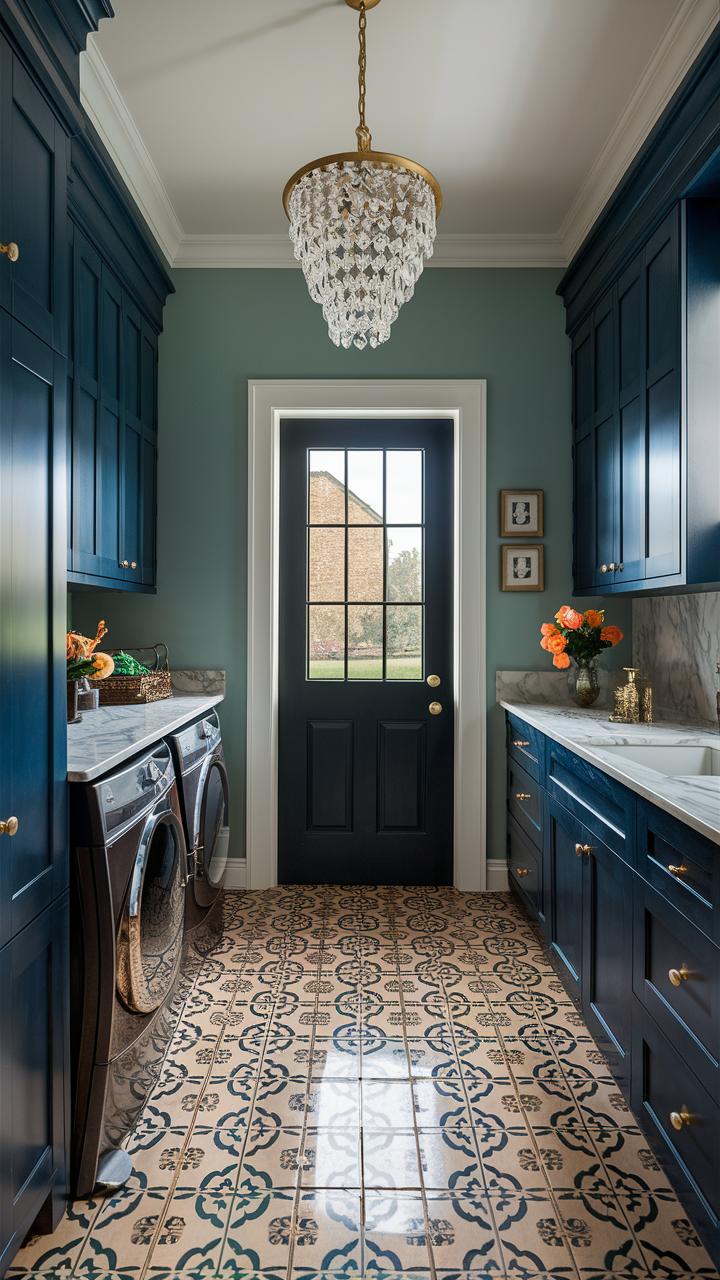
205	683
676	642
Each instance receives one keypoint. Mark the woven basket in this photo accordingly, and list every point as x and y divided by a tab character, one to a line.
116	691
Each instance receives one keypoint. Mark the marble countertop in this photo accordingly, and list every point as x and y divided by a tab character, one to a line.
106	737
695	801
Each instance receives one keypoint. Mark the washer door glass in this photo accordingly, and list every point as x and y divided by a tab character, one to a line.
150	943
214	829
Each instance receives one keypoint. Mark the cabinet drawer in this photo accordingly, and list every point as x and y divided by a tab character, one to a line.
524	865
666	1088
603	805
527	746
525	801
682	865
676	975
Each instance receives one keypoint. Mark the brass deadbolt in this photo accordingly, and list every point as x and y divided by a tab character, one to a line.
433	681
435	708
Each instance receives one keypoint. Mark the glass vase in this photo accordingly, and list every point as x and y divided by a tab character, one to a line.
583	682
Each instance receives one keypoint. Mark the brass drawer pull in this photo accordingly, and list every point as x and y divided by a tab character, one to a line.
520	743
679	1118
677	976
677	871
521	871
522	795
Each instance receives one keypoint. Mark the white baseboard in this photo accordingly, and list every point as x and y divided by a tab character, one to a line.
236	873
497	877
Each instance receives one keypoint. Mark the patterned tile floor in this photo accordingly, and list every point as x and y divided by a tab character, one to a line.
379	1082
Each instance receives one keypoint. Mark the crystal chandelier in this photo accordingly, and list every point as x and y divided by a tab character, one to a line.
362	222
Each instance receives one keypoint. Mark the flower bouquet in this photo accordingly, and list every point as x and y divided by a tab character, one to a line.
579	637
84	661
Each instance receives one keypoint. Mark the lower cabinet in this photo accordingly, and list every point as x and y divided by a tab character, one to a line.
632	931
34	1077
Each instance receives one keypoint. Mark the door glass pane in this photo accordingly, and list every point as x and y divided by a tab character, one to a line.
365	486
404	575
326	642
326	553
365	564
404	486
404	642
365	642
326	487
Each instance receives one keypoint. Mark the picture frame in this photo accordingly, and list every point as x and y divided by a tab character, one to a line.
521	513
523	568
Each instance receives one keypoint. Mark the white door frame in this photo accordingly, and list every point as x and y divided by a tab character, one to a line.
465	403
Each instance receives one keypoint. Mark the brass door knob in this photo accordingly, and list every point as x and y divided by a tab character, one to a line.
435	708
433	681
522	795
9	828
11	250
521	871
679	1118
677	871
677	976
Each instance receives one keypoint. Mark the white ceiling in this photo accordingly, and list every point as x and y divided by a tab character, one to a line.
527	111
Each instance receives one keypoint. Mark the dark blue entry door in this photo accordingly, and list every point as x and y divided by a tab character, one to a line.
365	788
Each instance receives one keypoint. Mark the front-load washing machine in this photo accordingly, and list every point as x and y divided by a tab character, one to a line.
129	884
203	786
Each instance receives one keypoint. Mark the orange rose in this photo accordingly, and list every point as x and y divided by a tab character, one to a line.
544	642
548	629
593	617
613	634
104	666
556	643
561	660
569	618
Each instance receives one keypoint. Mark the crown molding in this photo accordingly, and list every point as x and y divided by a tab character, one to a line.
449	251
106	108
692	24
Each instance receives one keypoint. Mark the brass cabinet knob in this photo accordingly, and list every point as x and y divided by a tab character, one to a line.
9	828
433	681
11	250
621	567
580	849
521	743
603	568
679	1118
521	871
133	565
677	976
677	871
435	708
522	795
612	567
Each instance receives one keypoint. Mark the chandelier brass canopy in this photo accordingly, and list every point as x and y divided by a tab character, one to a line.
362	224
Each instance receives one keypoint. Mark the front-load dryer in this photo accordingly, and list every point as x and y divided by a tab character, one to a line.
129	886
203	786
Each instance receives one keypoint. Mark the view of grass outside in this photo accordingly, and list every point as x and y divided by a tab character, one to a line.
409	667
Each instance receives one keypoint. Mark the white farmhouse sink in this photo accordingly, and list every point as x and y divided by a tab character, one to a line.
676	762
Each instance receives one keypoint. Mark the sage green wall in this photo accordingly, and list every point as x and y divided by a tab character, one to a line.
223	327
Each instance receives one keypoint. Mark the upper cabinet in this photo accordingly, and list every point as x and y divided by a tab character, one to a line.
111	526
33	202
643	306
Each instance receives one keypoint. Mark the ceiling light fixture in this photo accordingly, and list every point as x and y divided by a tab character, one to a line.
362	222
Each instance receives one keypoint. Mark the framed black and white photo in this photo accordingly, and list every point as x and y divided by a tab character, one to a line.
521	513
522	569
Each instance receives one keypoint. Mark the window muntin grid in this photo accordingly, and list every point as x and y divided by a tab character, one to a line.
365	564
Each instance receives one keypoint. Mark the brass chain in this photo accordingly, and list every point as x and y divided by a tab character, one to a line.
362	59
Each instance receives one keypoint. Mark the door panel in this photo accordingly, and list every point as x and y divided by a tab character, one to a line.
365	771
608	958
565	872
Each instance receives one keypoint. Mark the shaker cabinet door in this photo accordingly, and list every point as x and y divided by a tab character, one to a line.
33	159
564	892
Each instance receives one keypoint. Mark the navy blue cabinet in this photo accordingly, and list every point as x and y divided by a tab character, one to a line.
113	431
33	203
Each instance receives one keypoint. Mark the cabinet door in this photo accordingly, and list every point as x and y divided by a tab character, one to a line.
633	466
34	1076
662	388
564	891
607	958
137	452
33	158
584	532
33	735
595	450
